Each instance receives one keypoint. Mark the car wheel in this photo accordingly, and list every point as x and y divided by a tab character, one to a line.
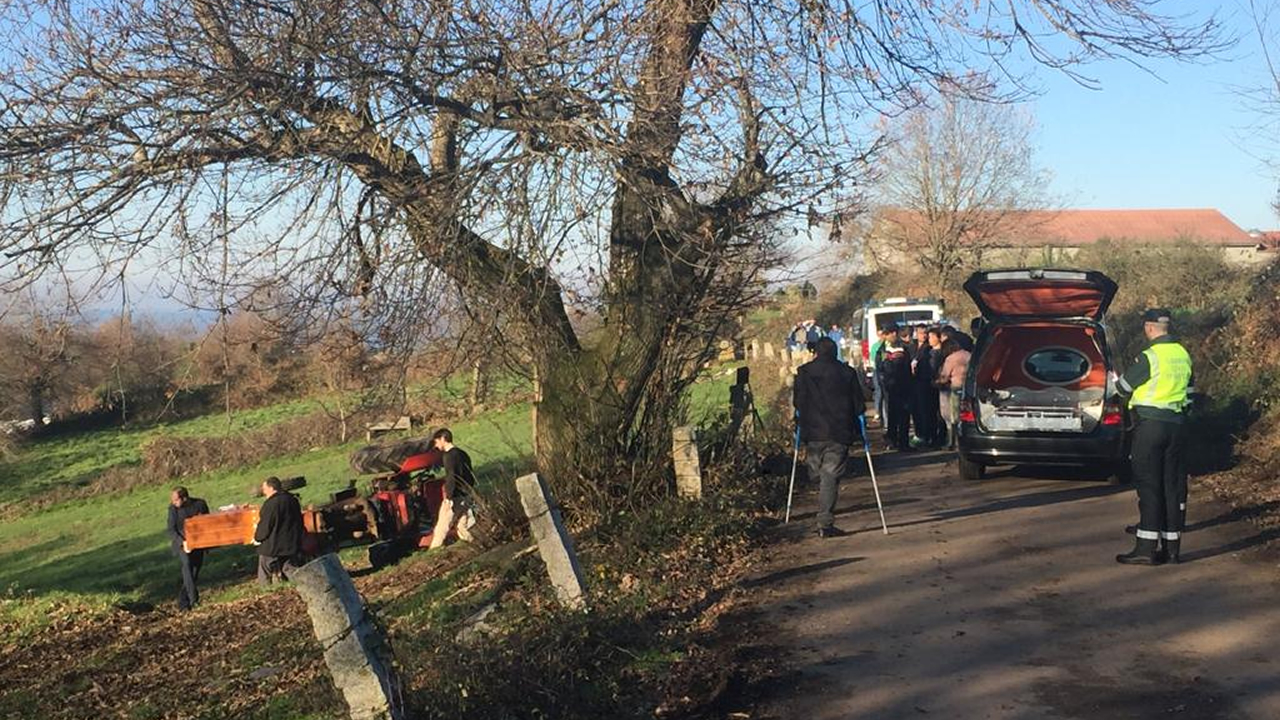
970	470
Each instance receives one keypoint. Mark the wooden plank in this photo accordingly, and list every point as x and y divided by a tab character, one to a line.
220	529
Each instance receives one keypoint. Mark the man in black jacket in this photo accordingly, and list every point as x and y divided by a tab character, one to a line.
829	400
455	508
278	534
181	507
895	377
924	397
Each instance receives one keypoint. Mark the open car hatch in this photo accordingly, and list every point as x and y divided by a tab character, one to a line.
1041	294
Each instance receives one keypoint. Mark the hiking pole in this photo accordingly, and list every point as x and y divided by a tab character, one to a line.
795	460
866	447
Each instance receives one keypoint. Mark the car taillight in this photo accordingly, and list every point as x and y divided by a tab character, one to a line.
966	411
1112	414
866	350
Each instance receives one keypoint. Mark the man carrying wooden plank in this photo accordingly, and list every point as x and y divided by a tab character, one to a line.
181	507
278	534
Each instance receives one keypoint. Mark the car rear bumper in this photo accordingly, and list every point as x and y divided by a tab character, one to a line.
1102	447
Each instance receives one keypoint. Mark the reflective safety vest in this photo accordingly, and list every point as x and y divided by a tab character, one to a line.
1170	375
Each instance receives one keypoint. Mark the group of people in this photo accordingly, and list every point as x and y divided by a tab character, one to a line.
918	378
278	533
804	335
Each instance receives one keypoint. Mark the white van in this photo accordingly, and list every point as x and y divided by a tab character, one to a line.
899	311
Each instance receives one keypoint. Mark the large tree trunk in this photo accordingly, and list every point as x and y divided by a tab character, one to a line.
35	404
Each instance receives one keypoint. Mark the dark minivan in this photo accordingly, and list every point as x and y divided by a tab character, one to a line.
1041	386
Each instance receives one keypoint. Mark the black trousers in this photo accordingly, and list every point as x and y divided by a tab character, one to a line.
1159	472
898	406
189	594
827	462
272	568
925	411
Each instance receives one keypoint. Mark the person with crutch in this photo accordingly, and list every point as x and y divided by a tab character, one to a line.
829	402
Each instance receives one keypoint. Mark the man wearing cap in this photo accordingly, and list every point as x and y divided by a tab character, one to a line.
1158	385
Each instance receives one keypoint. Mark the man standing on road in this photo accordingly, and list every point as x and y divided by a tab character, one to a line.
837	337
455	509
278	534
895	378
181	507
875	354
1158	385
924	397
828	398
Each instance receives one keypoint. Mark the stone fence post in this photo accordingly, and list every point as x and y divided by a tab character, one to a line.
554	543
358	657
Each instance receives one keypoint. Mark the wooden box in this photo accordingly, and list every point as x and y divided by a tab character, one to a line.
219	529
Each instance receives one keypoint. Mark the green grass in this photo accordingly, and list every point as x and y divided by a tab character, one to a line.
76	458
101	550
88	553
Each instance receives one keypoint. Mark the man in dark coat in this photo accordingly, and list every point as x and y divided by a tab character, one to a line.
829	400
895	378
924	397
278	534
181	507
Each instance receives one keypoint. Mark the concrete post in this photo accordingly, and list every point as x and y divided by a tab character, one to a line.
684	451
554	543
768	351
358	657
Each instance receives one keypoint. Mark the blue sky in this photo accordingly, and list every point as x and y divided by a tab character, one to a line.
1174	135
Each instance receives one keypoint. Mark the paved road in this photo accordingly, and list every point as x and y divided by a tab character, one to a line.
1001	599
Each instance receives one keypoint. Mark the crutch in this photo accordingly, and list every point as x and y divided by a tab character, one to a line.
866	447
795	460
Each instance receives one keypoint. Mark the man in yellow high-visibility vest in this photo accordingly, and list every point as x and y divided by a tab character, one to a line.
1158	385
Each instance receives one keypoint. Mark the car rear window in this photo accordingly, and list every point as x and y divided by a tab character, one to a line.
1057	365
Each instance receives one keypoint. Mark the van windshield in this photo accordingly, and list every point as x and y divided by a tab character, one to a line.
885	318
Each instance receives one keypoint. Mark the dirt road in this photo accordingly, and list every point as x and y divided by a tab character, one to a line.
1002	599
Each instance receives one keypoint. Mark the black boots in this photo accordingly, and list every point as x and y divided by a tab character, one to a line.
1145	552
1172	551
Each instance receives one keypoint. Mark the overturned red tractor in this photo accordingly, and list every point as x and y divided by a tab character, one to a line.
394	517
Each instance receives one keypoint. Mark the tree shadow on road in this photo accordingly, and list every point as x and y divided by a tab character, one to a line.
1235	515
1245	543
858	507
794	572
1021	502
887	461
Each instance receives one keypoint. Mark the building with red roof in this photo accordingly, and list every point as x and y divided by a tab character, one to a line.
1039	236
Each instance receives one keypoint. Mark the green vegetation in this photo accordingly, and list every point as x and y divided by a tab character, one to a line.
76	458
88	553
77	580
102	550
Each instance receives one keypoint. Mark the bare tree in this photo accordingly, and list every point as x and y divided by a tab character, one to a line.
1264	99
41	368
634	154
958	178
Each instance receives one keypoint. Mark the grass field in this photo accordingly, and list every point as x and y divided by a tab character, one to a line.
75	458
106	549
88	553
